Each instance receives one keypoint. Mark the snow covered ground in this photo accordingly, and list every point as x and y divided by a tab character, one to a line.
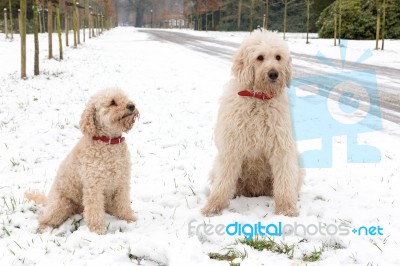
176	91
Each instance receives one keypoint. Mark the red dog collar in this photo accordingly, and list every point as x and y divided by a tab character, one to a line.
108	140
258	95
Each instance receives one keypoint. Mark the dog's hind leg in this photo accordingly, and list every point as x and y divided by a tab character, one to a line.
225	175
56	212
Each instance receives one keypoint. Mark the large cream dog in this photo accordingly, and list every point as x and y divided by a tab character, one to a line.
257	155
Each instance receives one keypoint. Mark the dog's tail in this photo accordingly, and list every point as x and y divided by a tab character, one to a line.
37	196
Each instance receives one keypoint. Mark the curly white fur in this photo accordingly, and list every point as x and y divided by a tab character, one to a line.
257	155
94	178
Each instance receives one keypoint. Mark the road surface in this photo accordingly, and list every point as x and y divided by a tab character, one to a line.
303	66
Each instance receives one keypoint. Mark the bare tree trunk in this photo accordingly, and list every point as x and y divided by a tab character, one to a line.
22	30
50	27
90	23
78	25
335	28
44	19
93	18
58	21
5	23
284	21
206	15
378	20
252	4
267	15
36	38
66	22
308	19
40	21
84	20
11	20
74	21
383	23
239	18
340	20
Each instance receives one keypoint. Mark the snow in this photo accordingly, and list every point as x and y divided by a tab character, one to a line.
177	92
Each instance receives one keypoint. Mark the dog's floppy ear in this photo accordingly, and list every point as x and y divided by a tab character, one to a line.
242	69
288	72
87	123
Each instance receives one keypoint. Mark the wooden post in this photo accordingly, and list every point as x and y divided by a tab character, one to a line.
5	23
50	27
22	30
36	37
378	25
58	22
11	20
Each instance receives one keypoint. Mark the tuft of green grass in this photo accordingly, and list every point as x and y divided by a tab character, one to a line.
316	254
230	256
14	162
269	244
75	225
139	259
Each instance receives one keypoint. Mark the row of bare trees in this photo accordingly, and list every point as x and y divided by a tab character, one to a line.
77	17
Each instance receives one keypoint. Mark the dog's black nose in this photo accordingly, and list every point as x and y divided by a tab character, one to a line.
131	106
273	75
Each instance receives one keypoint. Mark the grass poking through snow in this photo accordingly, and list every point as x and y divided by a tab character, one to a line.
269	244
233	256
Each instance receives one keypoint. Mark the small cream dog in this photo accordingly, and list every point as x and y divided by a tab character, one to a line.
257	155
94	178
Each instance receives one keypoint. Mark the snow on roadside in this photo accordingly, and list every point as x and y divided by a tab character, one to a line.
297	44
176	91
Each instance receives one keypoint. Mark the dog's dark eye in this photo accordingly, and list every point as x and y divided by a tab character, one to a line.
113	103
278	57
260	58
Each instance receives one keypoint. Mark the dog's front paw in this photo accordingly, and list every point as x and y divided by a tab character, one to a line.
288	211
212	209
130	219
41	228
100	230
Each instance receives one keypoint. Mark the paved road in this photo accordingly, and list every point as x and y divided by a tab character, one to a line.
304	66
